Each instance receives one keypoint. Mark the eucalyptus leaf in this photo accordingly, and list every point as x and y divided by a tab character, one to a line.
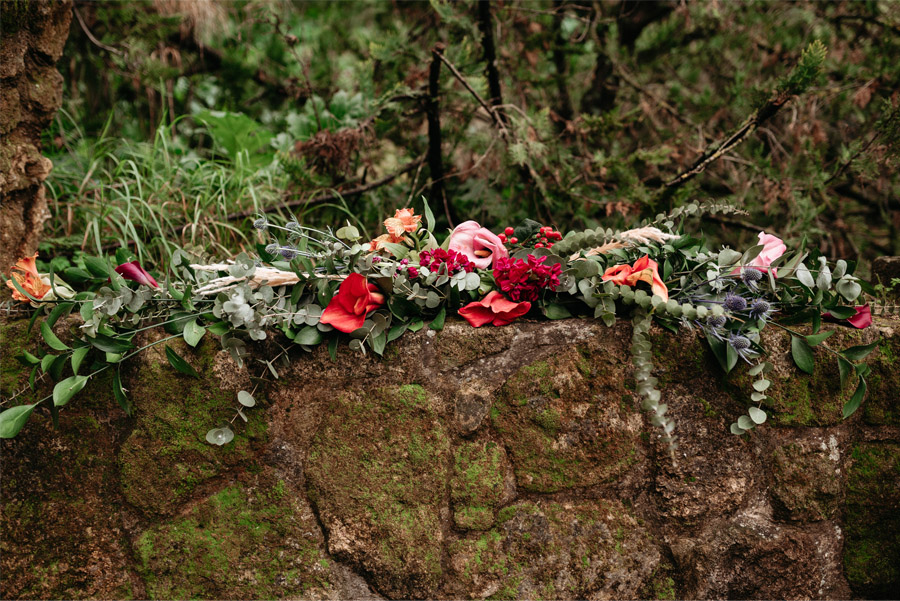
757	415
246	399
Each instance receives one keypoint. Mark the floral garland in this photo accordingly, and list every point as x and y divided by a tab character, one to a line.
319	287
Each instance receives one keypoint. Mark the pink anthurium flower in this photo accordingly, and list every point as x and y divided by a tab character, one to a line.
493	309
134	272
481	246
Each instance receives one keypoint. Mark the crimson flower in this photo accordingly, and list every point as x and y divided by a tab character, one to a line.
860	321
454	261
493	309
523	280
134	272
355	299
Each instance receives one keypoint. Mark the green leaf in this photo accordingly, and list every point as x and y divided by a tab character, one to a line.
855	353
56	368
65	390
78	356
438	322
396	331
13	419
332	348
57	312
429	215
815	339
845	368
98	267
119	393
757	369
218	328
556	311
416	325
109	345
736	429
30	359
842	312
745	423
731	357
379	342
802	354
193	332
856	400
246	399
51	339
309	336
179	363
757	415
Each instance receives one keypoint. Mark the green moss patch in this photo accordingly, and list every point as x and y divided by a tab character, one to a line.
476	484
872	521
555	551
564	429
248	541
377	470
166	457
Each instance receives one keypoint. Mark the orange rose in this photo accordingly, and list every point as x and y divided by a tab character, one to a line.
29	280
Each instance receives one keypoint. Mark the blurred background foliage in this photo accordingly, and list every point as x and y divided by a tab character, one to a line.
183	120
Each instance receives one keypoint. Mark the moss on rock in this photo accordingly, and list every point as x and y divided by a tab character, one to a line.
557	551
563	429
377	471
166	457
477	484
872	521
252	540
806	484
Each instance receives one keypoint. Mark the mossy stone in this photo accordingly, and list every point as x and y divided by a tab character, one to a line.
557	551
872	521
806	484
377	472
565	429
476	483
251	540
166	456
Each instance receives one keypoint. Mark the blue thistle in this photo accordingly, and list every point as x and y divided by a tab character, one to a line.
288	252
735	302
742	346
261	224
760	308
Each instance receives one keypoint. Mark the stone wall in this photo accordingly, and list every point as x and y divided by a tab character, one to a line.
472	463
34	34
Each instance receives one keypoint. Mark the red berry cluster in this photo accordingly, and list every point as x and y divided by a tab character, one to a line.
454	261
545	238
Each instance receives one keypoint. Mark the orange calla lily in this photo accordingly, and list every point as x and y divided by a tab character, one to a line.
30	280
644	270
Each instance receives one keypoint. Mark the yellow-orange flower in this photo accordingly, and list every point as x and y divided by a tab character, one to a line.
29	280
644	269
404	221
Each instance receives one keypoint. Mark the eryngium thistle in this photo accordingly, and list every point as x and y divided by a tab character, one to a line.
751	274
760	308
738	342
287	252
261	224
272	248
716	321
733	302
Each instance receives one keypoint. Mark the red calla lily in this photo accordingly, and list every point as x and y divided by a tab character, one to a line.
134	272
494	309
355	299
